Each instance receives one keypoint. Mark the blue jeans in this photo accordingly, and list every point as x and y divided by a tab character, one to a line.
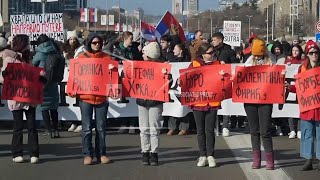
100	111
310	131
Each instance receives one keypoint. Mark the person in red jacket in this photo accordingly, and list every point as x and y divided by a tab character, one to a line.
310	120
296	55
295	58
93	103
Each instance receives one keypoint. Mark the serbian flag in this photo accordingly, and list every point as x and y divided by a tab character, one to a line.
83	14
148	32
168	24
93	14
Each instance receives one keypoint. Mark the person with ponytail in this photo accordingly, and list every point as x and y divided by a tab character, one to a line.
20	53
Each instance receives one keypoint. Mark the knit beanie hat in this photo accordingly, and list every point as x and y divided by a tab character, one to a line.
152	50
258	47
252	37
310	44
71	34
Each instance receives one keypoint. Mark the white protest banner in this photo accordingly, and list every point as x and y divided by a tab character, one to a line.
69	108
232	32
34	25
103	20
111	20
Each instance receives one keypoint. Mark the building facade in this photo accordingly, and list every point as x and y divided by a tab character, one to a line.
177	6
306	11
193	6
28	7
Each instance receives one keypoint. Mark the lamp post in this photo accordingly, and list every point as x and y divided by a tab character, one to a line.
210	23
249	23
267	24
119	18
273	16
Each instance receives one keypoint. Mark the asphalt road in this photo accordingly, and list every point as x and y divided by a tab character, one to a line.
61	159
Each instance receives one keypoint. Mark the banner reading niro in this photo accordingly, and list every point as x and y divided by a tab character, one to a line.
145	79
205	84
261	84
36	24
92	76
22	84
308	89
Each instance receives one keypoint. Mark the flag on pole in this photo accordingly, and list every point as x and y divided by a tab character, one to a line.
169	25
148	32
93	15
83	14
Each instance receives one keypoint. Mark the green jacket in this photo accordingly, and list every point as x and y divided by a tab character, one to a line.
51	93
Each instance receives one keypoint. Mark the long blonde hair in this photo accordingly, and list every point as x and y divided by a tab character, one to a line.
265	61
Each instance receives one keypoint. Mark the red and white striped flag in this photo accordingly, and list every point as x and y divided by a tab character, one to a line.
83	14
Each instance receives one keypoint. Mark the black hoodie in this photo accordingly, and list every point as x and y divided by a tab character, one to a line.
225	53
90	38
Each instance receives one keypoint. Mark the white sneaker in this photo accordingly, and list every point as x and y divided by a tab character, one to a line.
18	159
34	160
93	129
292	135
225	132
202	161
299	134
78	129
211	161
72	128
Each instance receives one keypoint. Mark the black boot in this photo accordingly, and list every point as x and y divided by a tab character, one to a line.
154	159
145	158
307	165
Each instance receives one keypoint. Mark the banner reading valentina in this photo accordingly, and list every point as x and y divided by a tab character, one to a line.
22	84
93	76
261	84
308	89
205	84
145	80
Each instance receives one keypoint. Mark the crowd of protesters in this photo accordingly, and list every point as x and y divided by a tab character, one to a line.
201	51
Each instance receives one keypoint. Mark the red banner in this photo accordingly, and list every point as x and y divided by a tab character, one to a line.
308	89
93	76
205	84
22	84
145	80
263	84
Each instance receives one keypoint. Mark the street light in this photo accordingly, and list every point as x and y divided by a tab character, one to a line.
249	23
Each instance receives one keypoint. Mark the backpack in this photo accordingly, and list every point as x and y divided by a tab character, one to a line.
54	67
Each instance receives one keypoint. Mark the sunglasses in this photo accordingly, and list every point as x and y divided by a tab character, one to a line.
95	43
211	52
313	53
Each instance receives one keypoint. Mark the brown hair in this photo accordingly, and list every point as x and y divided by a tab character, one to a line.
20	45
126	35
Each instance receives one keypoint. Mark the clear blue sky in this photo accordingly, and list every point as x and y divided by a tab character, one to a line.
154	7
